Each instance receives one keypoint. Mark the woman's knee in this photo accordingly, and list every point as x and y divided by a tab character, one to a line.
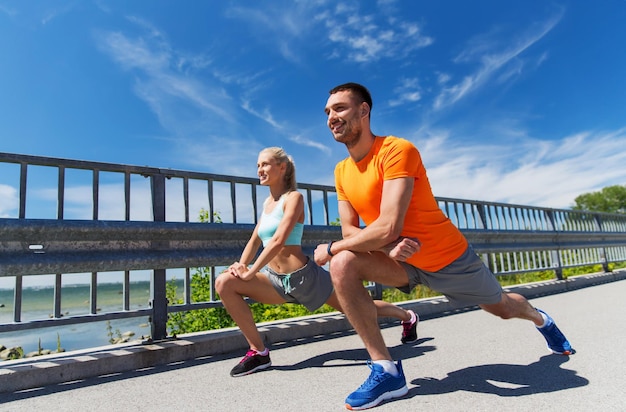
222	283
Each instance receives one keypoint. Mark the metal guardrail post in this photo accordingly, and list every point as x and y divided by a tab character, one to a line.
377	291
482	212
17	292
558	270
605	263
158	299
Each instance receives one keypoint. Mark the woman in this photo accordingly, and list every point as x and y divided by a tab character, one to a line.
282	272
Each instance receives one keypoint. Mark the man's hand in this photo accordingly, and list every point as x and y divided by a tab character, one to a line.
402	249
320	255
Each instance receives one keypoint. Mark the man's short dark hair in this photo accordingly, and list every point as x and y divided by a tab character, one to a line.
359	91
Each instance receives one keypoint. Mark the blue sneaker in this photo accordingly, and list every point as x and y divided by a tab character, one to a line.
378	387
557	342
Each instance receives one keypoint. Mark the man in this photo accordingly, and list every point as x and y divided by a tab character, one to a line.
407	241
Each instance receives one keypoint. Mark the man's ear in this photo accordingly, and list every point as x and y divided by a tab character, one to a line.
365	109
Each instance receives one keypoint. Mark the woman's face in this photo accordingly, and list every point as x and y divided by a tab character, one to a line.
269	170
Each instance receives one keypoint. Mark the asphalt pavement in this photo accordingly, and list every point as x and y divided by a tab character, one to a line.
464	360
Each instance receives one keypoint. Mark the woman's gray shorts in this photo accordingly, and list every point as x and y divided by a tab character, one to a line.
310	285
466	280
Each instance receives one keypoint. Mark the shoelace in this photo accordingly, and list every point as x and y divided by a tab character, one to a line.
375	377
249	354
555	336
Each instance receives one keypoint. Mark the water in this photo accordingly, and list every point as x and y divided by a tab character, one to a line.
37	303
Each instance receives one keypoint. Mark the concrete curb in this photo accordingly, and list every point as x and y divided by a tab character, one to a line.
66	367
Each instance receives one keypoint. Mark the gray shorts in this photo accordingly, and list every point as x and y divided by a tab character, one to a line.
310	285
466	280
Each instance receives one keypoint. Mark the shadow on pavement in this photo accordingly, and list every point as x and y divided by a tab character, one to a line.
543	376
333	359
112	377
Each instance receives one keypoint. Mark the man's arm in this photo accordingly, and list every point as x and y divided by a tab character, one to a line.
384	230
383	233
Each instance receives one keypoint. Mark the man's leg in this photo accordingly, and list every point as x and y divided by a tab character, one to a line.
408	318
349	270
513	305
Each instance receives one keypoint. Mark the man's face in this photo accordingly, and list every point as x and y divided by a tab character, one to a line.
344	118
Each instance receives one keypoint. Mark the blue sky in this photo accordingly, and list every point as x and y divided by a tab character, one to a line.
521	101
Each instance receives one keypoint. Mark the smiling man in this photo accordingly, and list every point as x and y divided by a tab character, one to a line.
407	241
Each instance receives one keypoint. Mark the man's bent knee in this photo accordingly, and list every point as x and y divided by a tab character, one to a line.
344	266
343	258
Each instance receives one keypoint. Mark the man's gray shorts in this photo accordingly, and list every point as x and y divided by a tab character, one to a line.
310	285
466	280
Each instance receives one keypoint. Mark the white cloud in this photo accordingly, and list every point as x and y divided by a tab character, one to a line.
364	38
526	171
52	14
493	58
299	139
360	37
190	96
408	91
204	122
266	116
9	11
443	78
221	154
161	82
8	201
282	27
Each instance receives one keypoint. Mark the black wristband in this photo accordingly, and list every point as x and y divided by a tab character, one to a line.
328	248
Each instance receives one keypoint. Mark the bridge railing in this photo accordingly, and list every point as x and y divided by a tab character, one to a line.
148	227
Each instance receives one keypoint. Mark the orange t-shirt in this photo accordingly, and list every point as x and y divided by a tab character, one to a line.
361	184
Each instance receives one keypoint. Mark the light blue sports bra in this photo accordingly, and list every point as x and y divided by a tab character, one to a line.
270	221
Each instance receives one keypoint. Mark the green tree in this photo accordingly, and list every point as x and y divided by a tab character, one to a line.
204	216
611	199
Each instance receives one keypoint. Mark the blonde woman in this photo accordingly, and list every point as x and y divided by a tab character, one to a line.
282	272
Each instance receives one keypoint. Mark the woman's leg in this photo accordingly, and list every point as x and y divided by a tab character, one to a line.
232	291
383	309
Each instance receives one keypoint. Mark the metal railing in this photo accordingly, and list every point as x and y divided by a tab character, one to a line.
52	229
